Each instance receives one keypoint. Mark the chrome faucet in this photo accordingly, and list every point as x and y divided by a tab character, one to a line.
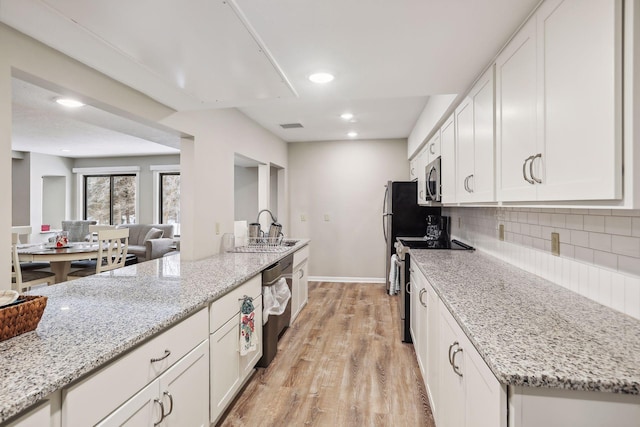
273	218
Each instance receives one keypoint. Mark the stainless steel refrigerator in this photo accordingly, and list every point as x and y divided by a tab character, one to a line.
402	216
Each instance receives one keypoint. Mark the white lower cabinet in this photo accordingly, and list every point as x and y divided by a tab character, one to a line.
228	369
299	282
40	416
176	398
175	361
468	392
433	350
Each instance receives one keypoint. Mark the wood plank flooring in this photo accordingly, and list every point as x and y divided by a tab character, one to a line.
341	364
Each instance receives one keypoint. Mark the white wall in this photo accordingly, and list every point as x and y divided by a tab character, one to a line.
207	172
344	180
245	193
45	165
20	179
599	249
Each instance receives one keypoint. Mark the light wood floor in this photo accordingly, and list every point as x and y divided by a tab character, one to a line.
341	364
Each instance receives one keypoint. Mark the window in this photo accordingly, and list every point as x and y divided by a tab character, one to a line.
169	198
110	199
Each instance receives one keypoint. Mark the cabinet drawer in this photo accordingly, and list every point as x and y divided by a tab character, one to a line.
94	397
300	255
228	306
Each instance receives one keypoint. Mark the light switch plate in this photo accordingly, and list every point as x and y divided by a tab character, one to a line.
555	244
501	232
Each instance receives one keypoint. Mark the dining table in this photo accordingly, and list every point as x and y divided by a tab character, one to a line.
59	258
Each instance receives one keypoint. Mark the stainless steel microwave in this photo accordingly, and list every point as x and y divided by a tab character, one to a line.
433	182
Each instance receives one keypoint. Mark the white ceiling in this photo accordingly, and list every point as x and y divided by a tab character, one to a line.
388	56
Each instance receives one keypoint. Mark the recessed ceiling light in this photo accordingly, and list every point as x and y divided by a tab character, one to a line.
321	77
68	102
65	150
347	116
352	134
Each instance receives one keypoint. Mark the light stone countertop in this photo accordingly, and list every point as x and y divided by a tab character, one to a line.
90	321
532	332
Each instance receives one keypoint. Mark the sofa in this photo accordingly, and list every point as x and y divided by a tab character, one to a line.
148	246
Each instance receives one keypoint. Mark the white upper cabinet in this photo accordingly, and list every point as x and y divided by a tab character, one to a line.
448	164
427	154
559	100
474	130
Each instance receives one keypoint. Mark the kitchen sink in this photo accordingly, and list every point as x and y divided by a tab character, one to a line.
284	246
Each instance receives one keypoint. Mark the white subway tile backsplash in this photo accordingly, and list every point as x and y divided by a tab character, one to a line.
635	227
605	259
575	222
599	249
580	238
600	241
558	220
584	254
617	225
594	223
623	245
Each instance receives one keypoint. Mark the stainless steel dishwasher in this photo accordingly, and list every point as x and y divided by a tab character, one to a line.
276	325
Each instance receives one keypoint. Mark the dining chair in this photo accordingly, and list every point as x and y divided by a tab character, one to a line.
24	280
112	253
94	228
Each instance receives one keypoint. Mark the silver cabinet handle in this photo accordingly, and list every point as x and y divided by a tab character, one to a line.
422	292
301	274
465	184
469	178
451	347
166	393
407	288
161	411
167	353
421	194
455	367
413	171
533	159
524	170
432	148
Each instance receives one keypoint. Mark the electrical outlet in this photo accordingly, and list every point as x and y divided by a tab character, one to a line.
217	228
555	244
501	232
459	222
303	217
326	217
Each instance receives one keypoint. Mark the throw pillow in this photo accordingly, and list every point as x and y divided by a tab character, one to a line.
154	233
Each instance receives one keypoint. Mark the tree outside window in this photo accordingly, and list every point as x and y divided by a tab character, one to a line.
170	199
110	199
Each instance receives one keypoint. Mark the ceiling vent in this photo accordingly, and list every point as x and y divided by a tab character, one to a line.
291	125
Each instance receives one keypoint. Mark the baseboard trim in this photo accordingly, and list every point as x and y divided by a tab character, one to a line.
347	279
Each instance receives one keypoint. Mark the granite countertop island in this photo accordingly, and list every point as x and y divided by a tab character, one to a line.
532	332
88	322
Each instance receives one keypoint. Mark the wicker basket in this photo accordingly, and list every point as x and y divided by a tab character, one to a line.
20	318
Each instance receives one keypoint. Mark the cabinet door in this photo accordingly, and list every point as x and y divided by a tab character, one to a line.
448	163
248	361
413	171
142	410
37	417
517	115
184	390
224	366
423	323
433	351
482	181
421	164
580	66
451	412
413	313
433	147
295	295
464	149
304	285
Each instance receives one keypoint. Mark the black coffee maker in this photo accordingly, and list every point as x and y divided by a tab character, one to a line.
438	228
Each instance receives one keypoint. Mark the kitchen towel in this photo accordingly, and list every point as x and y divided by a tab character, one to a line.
394	276
247	326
